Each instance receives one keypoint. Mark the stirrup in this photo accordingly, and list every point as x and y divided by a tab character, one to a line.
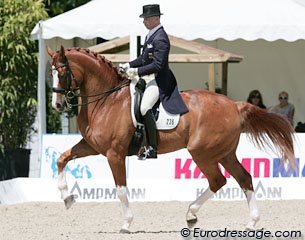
149	152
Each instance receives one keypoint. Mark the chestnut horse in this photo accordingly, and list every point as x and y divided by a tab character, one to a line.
210	131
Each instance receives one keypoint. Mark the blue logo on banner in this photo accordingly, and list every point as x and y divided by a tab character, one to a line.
80	171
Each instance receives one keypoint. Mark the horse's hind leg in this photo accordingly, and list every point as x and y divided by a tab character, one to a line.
194	207
81	149
216	181
244	179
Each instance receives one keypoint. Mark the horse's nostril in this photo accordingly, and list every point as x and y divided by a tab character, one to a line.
58	105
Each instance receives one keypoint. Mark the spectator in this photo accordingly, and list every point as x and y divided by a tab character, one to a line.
300	127
284	108
255	98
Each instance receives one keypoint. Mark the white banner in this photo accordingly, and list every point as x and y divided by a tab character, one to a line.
20	190
173	176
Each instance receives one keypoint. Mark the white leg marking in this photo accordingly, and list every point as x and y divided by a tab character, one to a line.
254	213
62	184
196	205
128	216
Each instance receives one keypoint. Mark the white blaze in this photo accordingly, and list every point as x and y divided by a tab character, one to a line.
55	85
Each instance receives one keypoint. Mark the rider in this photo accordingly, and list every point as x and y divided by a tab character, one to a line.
154	60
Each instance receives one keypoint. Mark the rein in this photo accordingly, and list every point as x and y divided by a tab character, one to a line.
71	93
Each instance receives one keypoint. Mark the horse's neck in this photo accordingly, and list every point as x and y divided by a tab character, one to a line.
94	78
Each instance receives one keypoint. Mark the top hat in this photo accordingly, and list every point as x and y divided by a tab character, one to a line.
151	10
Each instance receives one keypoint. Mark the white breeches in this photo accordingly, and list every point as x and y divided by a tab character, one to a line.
150	96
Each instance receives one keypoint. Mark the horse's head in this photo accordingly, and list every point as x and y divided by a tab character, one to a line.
97	77
64	82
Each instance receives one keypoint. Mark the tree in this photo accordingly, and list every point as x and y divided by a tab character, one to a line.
56	7
18	71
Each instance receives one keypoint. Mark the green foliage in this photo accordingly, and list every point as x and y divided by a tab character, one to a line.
18	70
56	7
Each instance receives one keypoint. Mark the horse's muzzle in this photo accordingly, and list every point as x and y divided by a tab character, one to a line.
60	107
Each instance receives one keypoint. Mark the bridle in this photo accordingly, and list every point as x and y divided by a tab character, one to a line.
71	93
68	92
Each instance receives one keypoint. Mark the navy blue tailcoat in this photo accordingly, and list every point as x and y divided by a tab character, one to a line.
154	59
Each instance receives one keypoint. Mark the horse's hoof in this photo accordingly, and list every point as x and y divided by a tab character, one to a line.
191	222
251	227
124	231
69	201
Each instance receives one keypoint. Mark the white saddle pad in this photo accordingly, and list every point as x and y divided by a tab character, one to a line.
165	120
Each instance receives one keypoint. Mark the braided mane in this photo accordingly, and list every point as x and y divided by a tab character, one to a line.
100	58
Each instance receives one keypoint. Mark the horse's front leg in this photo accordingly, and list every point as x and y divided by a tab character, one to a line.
128	216
81	149
117	165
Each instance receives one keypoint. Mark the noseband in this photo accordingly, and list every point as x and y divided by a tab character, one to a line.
71	93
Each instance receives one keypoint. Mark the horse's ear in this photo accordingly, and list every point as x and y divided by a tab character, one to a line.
62	52
49	51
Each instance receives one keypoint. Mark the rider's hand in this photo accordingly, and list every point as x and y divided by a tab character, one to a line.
125	66
132	72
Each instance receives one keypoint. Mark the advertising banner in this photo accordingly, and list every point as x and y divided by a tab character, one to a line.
174	176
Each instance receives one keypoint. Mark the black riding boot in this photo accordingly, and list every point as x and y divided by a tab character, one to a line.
151	131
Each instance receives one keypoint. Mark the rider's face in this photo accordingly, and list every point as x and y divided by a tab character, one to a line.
151	22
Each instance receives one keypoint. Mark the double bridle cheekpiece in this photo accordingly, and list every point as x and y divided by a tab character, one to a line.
71	93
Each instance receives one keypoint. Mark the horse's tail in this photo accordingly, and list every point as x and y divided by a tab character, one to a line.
259	125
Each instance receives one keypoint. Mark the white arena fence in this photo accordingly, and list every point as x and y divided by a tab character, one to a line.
171	177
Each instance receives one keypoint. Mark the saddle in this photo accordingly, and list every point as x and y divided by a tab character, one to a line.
164	119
